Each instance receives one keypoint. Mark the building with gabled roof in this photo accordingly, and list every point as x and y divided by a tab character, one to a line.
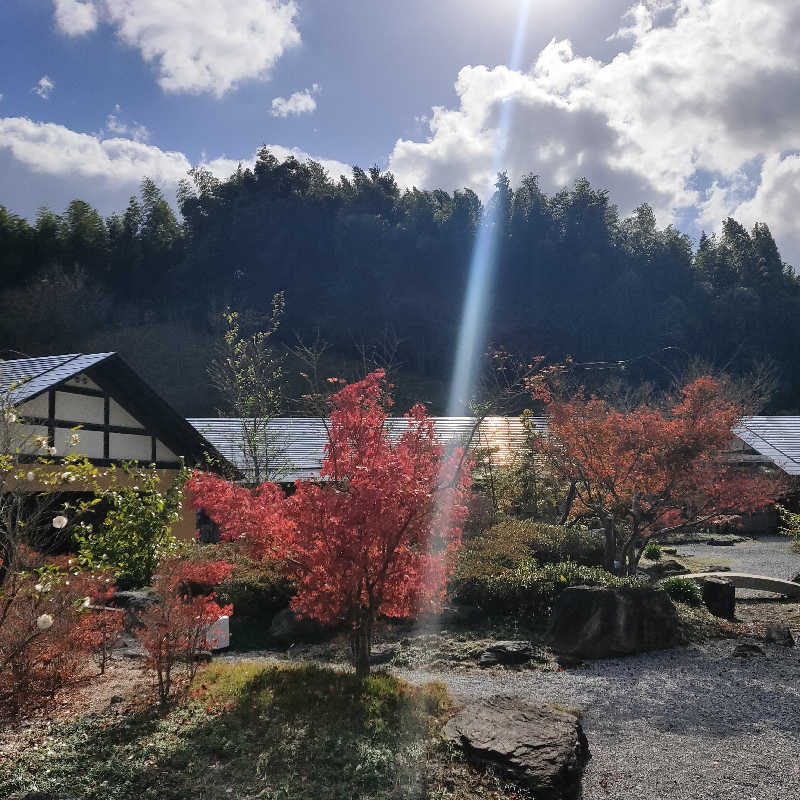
118	416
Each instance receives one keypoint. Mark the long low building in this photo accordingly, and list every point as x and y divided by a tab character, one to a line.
121	418
292	448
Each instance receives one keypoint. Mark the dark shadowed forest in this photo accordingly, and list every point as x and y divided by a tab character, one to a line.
364	264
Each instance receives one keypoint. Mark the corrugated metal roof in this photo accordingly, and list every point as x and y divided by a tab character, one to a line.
297	445
32	376
775	438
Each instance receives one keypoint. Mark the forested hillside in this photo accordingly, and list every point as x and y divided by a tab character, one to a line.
360	257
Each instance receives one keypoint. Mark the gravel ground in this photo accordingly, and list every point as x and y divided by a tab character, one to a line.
692	723
767	555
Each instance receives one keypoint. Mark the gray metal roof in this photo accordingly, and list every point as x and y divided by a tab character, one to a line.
297	444
775	438
24	378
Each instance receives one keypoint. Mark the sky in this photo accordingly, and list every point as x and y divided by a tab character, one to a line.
692	106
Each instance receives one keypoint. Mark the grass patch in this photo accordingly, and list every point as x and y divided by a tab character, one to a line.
700	625
251	731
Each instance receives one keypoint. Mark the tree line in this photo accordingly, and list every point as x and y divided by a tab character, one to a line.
358	257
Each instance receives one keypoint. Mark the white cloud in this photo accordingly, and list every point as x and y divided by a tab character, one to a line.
50	163
195	45
702	91
297	103
44	87
75	17
136	131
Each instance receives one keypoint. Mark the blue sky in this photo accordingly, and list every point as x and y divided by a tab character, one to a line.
690	105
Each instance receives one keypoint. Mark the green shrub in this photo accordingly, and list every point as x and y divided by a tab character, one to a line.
683	590
512	542
135	534
530	589
257	589
652	552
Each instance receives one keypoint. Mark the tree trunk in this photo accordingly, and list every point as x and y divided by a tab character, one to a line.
361	644
611	546
362	665
570	499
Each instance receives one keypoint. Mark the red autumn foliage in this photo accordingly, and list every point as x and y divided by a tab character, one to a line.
52	617
376	535
175	629
646	472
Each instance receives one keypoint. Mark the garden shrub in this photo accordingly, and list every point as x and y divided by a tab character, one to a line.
135	534
255	588
652	552
49	626
175	629
511	542
683	590
531	589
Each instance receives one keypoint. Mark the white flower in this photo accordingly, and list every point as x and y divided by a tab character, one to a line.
38	587
69	562
74	439
87	601
29	476
45	622
53	451
71	478
59	522
11	417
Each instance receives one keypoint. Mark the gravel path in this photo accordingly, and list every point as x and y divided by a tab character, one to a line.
687	724
767	555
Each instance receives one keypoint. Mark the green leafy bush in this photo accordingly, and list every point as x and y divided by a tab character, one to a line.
257	589
683	590
512	542
652	552
530	589
135	534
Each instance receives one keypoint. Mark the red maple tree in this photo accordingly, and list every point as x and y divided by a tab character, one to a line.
653	470
375	535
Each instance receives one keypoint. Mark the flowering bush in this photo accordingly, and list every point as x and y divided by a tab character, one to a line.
49	625
175	629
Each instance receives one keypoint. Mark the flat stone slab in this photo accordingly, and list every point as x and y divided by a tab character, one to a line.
743	580
532	744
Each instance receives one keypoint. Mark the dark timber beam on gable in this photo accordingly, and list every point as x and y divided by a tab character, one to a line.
87	426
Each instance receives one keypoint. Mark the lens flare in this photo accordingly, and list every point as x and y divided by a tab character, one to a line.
483	264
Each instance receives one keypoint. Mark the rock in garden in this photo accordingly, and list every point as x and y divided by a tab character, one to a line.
384	654
719	596
669	551
506	653
665	569
287	627
534	745
721	542
747	649
134	602
779	634
602	622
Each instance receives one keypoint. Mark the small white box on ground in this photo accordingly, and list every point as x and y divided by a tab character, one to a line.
219	634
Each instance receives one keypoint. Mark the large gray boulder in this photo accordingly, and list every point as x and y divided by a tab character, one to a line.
602	622
534	745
